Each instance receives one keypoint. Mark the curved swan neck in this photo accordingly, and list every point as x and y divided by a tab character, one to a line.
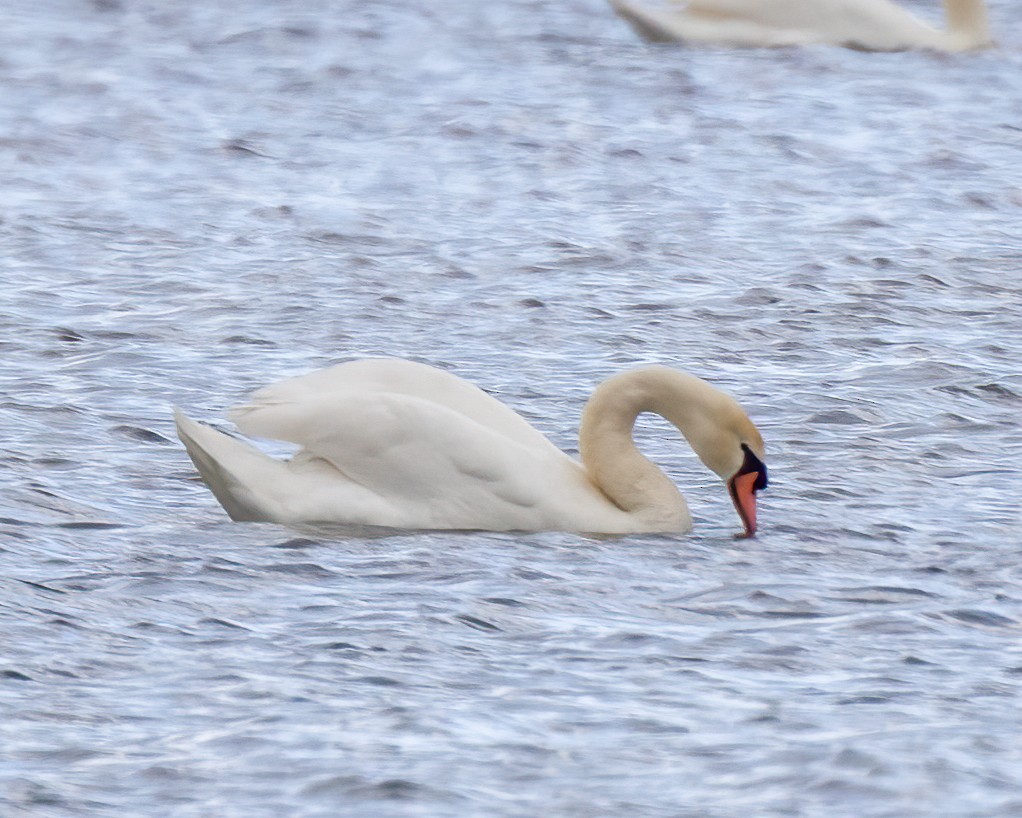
608	451
711	421
968	19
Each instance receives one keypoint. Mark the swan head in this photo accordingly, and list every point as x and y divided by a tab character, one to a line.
734	450
743	485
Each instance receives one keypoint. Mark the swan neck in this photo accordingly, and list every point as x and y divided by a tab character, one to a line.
608	451
968	19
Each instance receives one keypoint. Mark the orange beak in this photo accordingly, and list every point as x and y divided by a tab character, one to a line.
742	487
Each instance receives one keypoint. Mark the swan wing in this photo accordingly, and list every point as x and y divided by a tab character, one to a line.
286	410
407	462
399	444
660	24
809	15
878	25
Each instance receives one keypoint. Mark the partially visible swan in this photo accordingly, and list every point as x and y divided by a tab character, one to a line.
871	25
394	443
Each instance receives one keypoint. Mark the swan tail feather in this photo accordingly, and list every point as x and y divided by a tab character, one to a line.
221	460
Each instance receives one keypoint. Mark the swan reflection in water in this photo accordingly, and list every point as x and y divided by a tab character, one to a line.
869	25
388	442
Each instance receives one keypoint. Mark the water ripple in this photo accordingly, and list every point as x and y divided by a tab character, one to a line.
198	202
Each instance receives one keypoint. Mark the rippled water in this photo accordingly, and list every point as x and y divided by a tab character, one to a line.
201	198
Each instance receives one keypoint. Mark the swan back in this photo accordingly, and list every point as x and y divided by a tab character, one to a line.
295	408
874	25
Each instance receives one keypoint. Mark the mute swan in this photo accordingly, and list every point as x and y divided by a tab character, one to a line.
394	443
870	25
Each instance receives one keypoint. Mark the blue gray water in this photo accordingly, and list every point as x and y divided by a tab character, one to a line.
200	198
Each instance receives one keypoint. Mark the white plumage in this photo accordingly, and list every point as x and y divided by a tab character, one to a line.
394	443
871	25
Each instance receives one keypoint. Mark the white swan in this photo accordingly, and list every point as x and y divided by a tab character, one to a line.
393	443
871	25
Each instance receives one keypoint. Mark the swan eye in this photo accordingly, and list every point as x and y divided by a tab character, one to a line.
752	464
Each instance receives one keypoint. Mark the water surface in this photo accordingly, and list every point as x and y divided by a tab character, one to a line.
202	198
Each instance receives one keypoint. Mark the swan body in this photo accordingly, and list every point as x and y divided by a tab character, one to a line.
870	25
394	443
